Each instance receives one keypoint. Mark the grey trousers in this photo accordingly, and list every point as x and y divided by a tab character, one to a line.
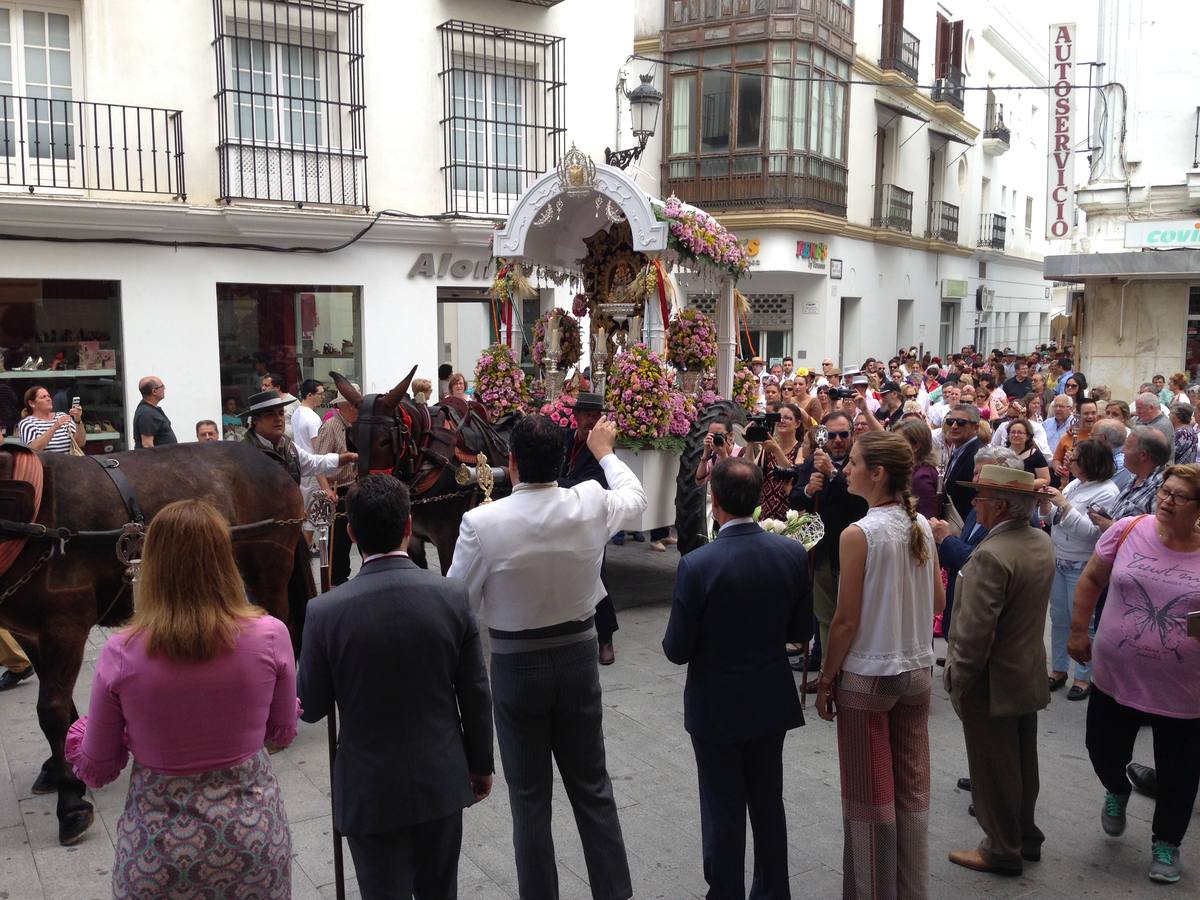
547	705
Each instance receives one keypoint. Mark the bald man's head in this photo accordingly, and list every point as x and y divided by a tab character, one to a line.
152	388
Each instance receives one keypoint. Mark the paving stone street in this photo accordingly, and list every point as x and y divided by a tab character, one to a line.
653	771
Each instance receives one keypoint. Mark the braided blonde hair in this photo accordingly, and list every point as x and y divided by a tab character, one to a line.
892	453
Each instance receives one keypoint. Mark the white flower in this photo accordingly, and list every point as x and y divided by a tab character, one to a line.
793	515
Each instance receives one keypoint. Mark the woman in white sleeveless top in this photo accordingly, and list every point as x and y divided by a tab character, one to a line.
878	671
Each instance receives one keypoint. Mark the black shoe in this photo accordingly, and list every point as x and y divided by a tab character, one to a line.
1144	779
964	784
619	539
1031	854
11	679
941	661
971	810
637	536
1078	693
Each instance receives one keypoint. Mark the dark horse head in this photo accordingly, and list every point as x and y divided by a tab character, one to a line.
383	432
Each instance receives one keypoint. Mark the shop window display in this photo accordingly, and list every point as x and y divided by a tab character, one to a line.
290	330
64	335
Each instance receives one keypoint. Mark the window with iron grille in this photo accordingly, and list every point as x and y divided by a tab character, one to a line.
503	118
291	106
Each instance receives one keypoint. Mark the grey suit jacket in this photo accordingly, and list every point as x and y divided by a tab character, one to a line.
996	636
398	649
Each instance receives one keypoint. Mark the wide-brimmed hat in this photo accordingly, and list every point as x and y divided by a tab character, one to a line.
1002	478
341	398
589	402
265	400
756	361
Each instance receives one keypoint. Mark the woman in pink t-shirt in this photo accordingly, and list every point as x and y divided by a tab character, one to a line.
1146	669
195	688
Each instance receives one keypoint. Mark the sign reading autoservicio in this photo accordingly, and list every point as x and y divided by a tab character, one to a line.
1060	160
1163	234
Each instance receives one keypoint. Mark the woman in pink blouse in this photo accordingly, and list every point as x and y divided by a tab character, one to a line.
195	688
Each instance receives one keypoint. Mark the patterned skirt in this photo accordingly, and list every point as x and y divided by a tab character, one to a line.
220	834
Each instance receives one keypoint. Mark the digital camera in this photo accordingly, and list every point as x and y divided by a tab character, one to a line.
760	426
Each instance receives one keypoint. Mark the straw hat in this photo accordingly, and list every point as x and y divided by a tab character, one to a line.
1002	478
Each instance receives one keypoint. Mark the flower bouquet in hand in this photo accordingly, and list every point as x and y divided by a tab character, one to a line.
692	341
570	342
804	528
499	382
639	394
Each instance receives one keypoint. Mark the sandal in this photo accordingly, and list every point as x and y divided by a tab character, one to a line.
658	547
1056	683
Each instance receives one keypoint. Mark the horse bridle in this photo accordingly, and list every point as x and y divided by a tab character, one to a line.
399	428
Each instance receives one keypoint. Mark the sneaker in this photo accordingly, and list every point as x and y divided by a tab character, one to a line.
1165	867
1112	817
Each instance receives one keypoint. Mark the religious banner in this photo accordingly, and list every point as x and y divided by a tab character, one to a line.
1060	158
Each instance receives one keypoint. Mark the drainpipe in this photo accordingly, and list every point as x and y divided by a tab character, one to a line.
1121	326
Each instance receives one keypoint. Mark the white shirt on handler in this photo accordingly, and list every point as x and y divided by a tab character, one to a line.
532	559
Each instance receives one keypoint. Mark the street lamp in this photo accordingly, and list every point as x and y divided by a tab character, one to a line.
644	103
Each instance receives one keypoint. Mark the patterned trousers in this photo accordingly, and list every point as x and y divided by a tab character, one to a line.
883	747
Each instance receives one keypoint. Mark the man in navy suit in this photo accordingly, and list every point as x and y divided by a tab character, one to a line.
960	432
737	602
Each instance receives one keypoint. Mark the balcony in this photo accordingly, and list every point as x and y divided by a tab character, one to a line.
893	208
996	136
774	180
993	228
943	222
899	50
948	85
76	145
543	3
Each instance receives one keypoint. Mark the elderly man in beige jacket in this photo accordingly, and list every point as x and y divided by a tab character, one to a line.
996	668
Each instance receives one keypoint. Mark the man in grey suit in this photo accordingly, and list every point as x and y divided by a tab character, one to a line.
532	566
397	648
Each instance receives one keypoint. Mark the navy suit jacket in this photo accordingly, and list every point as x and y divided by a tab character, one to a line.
737	602
953	552
963	470
585	467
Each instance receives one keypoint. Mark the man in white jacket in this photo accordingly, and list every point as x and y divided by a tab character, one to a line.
531	562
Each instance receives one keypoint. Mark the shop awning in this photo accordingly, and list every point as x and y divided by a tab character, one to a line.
901	111
1144	264
950	136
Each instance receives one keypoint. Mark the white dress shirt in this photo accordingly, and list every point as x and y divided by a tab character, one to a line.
532	559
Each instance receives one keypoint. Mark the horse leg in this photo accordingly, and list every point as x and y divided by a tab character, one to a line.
416	551
60	656
446	539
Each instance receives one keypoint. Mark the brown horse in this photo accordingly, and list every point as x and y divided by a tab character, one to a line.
84	585
423	446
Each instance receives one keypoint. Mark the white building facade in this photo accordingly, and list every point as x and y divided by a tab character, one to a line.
1132	265
140	150
888	198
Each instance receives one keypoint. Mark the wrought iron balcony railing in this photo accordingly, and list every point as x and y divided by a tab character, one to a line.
899	49
948	85
993	228
77	145
773	180
993	126
943	221
893	208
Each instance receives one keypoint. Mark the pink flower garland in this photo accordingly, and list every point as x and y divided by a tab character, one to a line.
697	235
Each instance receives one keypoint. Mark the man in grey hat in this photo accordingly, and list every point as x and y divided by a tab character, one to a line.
579	465
266	432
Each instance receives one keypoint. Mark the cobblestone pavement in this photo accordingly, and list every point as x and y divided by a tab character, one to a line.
653	771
